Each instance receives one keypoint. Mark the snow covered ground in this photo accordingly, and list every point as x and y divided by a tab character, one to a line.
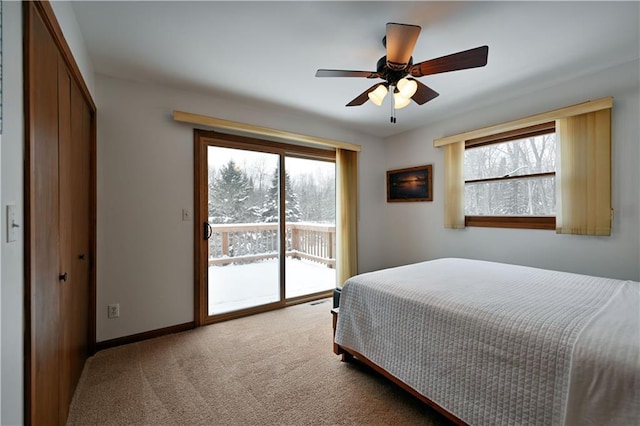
234	287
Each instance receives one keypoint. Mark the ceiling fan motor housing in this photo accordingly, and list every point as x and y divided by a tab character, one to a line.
390	73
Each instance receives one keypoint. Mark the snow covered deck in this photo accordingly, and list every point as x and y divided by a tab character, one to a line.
234	287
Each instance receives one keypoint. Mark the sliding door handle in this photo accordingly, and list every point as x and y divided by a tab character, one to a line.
207	231
63	277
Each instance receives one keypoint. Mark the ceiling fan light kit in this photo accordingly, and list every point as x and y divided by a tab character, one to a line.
407	87
377	95
396	68
400	101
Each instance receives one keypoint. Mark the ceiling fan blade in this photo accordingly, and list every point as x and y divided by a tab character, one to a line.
400	41
472	58
424	94
363	97
346	73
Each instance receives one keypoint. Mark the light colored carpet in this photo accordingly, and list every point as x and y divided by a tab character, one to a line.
275	368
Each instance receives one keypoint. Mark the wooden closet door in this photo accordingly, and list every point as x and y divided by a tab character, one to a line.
81	260
43	274
60	218
74	236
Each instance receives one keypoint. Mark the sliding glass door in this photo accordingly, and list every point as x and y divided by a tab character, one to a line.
243	229
265	226
310	225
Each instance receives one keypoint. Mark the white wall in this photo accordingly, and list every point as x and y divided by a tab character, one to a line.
1	233
12	257
67	20
11	178
145	179
415	231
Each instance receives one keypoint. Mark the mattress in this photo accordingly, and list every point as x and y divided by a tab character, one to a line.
501	344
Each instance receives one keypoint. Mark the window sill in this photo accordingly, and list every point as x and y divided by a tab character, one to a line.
522	222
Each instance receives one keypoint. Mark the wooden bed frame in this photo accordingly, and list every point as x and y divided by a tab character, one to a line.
348	355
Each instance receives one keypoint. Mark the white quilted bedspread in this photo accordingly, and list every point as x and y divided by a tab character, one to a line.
491	343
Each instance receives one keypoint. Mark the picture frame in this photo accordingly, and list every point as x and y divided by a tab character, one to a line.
410	184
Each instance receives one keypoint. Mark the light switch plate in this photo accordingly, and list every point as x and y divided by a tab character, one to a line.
186	215
12	225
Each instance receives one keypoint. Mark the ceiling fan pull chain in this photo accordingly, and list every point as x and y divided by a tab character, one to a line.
393	111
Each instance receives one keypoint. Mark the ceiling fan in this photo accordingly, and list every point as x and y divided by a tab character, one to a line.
397	69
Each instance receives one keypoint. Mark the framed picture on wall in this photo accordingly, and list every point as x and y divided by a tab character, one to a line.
411	184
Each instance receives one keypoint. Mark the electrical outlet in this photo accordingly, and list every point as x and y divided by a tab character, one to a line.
113	310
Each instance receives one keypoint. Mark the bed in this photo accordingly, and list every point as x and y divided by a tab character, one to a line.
488	343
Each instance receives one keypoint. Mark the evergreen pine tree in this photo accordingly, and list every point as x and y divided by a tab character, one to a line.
292	205
230	193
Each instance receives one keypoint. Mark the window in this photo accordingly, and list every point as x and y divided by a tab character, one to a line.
582	170
509	179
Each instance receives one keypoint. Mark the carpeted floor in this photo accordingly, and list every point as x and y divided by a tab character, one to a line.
275	368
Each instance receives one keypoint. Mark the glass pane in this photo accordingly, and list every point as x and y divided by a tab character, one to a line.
310	225
514	158
514	197
244	245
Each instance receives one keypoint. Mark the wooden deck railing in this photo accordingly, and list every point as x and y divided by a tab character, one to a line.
249	242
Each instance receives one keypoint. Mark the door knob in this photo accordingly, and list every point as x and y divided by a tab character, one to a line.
63	277
81	256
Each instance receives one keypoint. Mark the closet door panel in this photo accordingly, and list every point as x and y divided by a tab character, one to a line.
74	161
65	176
77	311
43	206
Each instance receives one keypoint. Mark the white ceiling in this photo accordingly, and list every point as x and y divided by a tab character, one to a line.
268	52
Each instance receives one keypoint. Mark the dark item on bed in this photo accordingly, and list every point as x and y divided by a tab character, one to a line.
411	184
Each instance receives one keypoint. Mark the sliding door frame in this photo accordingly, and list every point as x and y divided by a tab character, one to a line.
202	140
